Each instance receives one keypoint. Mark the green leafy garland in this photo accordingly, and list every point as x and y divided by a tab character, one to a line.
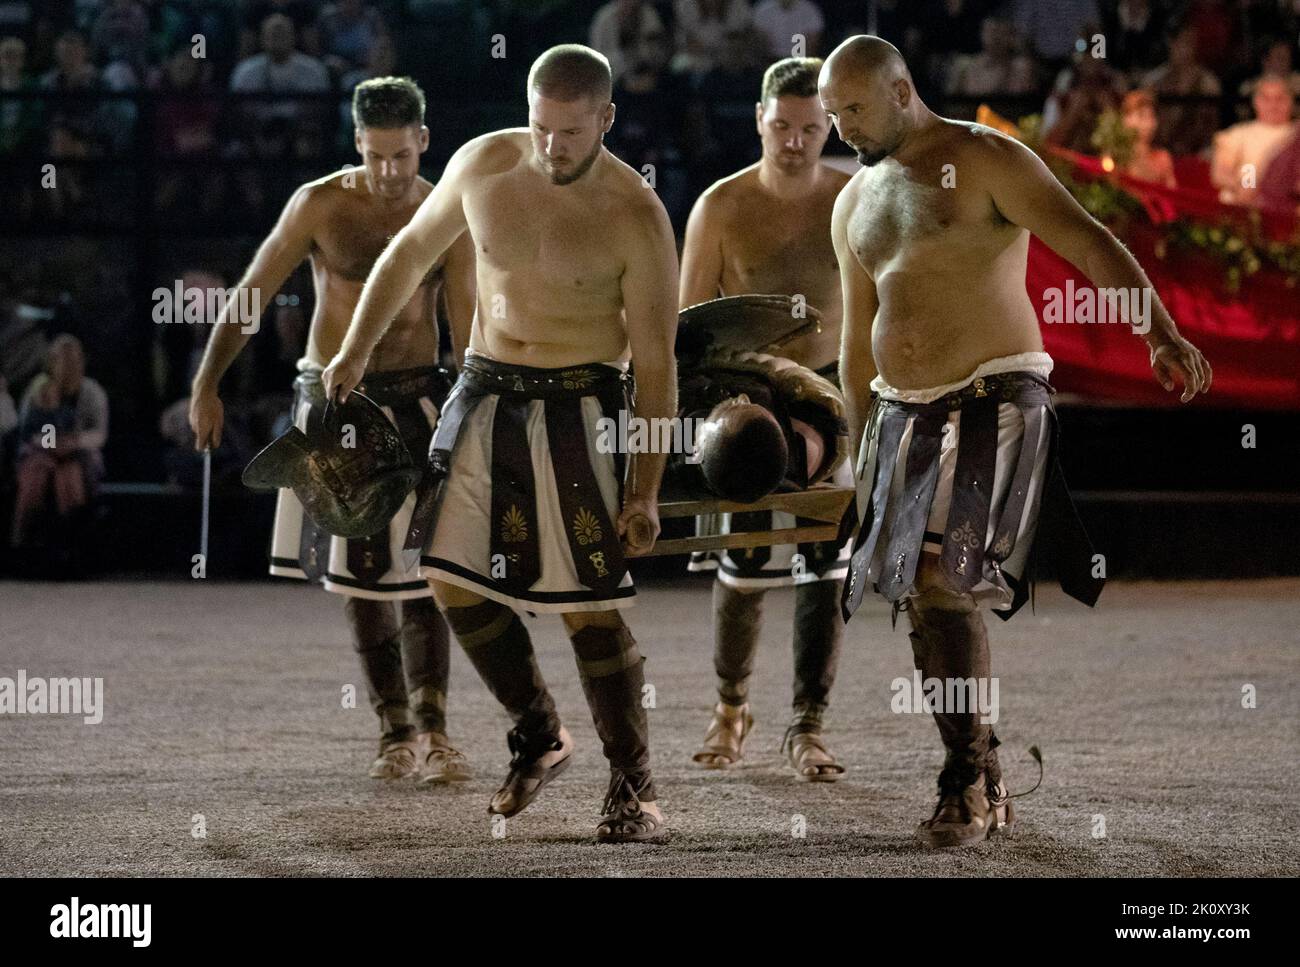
1240	251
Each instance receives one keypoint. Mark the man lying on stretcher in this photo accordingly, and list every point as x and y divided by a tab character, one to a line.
762	424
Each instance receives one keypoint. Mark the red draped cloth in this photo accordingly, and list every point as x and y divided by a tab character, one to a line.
1250	337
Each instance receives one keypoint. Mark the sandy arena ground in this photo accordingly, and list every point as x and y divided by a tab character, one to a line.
224	700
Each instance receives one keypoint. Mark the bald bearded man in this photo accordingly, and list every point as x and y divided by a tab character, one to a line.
957	471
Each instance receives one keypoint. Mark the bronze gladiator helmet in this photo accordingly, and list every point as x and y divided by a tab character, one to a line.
348	490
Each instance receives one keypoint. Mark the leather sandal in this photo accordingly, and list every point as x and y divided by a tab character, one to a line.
527	776
807	751
441	763
725	737
624	821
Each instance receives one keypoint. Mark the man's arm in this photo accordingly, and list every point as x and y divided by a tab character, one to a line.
1027	194
857	364
459	292
649	287
702	252
281	252
397	273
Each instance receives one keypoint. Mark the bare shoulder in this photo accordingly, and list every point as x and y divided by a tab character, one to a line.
850	192
985	151
836	178
727	195
493	153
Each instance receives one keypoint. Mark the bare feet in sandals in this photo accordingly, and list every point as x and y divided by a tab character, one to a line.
627	818
535	763
809	757
724	741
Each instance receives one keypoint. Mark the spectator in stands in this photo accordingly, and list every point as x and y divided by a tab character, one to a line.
187	111
619	28
702	27
1053	27
74	130
73	70
1243	151
1184	128
650	134
303	13
279	68
997	69
1148	162
288	126
1214	25
781	21
1279	189
1135	34
62	425
186	114
1081	95
1277	63
724	110
349	30
121	33
20	120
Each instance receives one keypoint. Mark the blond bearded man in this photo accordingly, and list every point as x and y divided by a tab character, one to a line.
577	270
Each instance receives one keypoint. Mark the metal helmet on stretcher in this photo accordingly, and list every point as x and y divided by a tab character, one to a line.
349	491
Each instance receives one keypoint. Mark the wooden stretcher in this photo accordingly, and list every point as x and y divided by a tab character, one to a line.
823	503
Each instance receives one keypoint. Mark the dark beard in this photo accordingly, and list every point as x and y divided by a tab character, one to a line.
869	160
582	169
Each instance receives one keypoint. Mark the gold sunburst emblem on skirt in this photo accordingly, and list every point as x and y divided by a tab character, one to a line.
514	527
586	528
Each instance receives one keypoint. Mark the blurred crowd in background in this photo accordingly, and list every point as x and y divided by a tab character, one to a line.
178	128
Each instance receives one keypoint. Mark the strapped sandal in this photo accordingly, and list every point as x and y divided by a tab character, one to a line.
807	750
725	737
396	761
443	764
624	821
527	776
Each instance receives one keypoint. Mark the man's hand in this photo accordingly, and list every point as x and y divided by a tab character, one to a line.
207	417
342	375
638	525
1178	357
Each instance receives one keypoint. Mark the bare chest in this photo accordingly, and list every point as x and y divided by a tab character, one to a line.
901	217
786	250
551	243
348	247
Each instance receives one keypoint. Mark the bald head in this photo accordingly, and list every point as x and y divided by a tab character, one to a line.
867	89
865	56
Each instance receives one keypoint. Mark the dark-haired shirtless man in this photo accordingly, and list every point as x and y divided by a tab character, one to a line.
341	223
